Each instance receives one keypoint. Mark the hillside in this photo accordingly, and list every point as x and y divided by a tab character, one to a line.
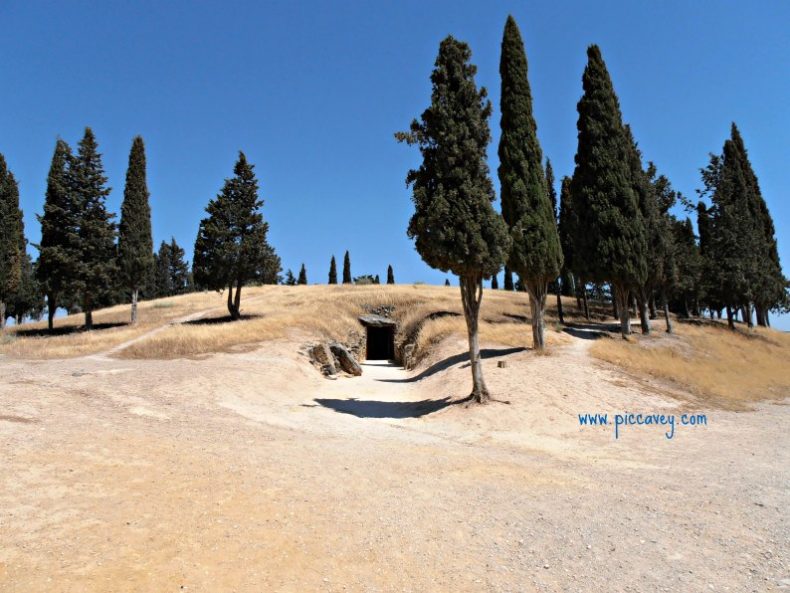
190	453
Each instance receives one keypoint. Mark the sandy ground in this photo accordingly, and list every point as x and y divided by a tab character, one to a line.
250	472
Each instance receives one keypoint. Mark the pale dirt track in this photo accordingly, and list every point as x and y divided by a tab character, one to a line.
249	473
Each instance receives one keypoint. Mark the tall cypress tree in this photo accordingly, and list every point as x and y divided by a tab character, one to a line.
612	245
302	275
332	271
555	206
11	257
645	192
535	252
96	269
454	225
769	282
135	244
390	275
58	250
231	246
567	229
347	269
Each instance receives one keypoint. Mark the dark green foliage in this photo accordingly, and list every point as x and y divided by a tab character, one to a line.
96	268
741	260
390	275
11	256
135	244
28	301
347	269
365	279
684	265
377	280
231	247
527	207
454	225
290	279
494	283
302	275
58	250
171	270
447	282
611	245
332	271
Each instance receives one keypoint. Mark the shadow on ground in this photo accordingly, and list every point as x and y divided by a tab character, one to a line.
66	330
453	360
380	409
218	320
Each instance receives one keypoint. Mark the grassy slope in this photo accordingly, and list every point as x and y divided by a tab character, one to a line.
734	368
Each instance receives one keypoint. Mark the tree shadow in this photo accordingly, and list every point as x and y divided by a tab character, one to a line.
453	360
585	333
66	330
381	409
220	320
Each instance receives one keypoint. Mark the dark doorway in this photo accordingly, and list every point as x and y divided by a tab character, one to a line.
380	343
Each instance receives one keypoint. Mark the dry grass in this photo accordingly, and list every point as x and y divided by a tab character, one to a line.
331	312
32	341
726	368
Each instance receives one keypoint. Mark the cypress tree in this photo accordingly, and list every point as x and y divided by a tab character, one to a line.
96	269
494	282
10	232
163	286
567	230
612	245
302	276
454	225
28	301
390	275
290	279
231	247
377	280
347	269
135	244
58	254
535	252
769	282
556	213
447	282
332	271
178	269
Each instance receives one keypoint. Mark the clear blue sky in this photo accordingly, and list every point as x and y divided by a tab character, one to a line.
313	91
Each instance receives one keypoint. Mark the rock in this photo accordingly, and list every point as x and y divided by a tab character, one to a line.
345	360
322	356
376	321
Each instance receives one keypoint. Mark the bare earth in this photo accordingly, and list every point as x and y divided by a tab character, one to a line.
249	472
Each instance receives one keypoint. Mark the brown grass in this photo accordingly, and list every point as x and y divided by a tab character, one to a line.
726	368
331	312
31	341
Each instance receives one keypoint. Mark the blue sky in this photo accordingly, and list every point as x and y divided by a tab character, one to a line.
313	92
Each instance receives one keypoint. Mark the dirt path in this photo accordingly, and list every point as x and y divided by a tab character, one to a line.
249	472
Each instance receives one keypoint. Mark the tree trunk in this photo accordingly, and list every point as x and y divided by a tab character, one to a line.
759	317
767	319
584	300
644	320
2	315
559	300
730	320
88	318
622	294
508	281
237	299
747	315
667	318
685	311
653	312
134	306
471	295
537	305
615	314
233	301
51	309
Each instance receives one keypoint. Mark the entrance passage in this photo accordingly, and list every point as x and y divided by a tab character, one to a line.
380	343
